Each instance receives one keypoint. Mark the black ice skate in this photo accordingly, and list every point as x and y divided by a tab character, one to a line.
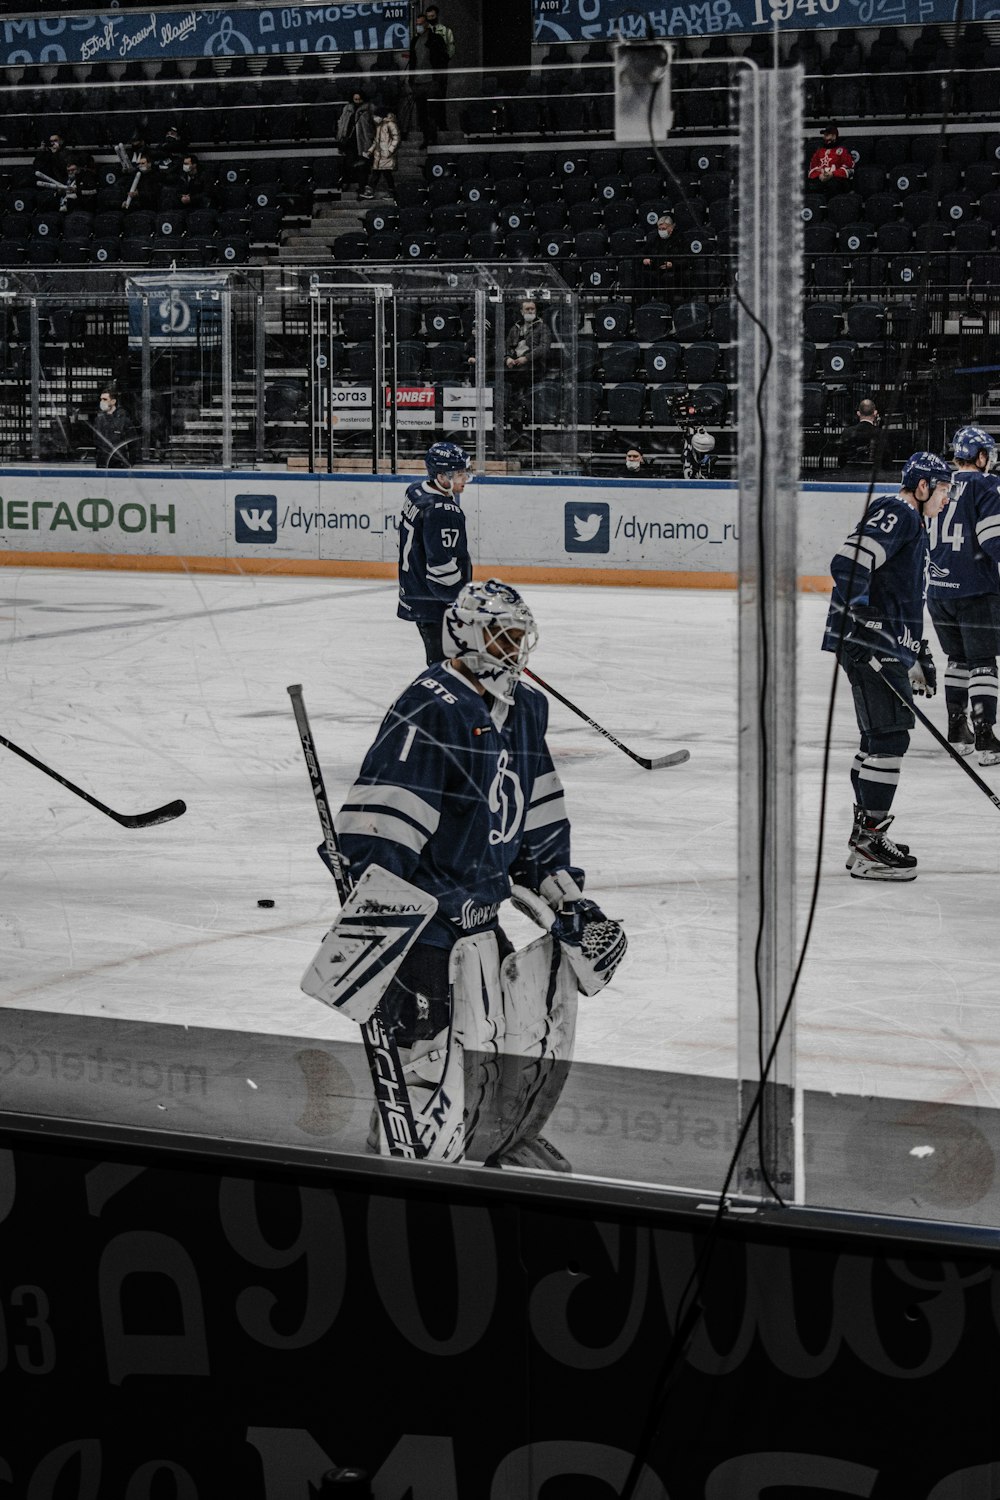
960	734
987	744
859	823
876	857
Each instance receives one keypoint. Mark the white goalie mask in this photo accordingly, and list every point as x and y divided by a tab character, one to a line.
480	618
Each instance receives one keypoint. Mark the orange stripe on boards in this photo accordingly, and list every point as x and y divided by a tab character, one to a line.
314	568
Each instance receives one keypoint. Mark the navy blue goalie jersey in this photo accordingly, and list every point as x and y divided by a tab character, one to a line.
434	562
456	804
965	540
878	578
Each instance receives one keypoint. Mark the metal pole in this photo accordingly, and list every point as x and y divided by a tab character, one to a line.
769	281
479	336
259	360
226	300
145	381
36	382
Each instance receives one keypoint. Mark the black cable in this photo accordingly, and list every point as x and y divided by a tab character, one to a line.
689	1316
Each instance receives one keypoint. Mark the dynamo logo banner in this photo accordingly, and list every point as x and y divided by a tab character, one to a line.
594	20
120	36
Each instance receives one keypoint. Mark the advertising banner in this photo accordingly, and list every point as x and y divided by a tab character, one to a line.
592	20
681	533
364	26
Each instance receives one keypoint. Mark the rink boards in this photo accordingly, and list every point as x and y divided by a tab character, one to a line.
543	530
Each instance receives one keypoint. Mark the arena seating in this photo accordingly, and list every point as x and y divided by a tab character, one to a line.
533	174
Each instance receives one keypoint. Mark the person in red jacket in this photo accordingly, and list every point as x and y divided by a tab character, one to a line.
832	165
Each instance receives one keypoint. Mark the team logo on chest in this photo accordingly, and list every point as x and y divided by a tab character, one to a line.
507	799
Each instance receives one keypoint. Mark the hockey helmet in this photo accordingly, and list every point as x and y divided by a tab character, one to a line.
445	458
925	466
702	442
485	612
969	442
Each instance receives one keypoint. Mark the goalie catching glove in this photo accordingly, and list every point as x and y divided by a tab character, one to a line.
594	944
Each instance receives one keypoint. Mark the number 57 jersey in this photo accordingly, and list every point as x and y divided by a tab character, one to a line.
965	540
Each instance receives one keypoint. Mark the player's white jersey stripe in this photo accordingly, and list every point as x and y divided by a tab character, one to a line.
869	552
380	826
541	814
988	529
545	785
399	800
448	572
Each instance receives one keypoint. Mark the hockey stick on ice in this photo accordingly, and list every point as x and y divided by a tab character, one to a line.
391	1094
675	758
164	814
983	786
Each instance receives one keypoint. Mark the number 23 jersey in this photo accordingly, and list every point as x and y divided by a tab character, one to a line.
878	578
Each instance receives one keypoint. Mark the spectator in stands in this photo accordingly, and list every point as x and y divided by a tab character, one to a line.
657	273
428	78
170	150
355	134
447	36
114	434
52	158
444	32
81	185
527	352
634	462
831	167
144	190
382	155
190	184
857	442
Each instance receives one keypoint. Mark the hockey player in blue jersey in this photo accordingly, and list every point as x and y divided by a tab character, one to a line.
458	797
875	625
963	594
434	561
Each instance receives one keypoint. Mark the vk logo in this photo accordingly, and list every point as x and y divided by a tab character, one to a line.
587	526
256	518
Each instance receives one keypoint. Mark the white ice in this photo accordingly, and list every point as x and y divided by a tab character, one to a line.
143	687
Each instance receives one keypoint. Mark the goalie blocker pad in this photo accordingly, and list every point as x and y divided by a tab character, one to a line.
374	930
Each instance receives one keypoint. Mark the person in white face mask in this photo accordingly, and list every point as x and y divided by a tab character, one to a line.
114	434
634	462
656	269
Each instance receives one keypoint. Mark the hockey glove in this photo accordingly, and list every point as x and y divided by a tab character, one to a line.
923	673
594	944
857	651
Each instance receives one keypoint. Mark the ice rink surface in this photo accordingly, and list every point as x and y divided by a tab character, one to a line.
143	687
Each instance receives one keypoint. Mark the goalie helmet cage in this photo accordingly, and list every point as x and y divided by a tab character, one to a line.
770	288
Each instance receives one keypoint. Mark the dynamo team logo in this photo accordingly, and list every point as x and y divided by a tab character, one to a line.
256	519
587	526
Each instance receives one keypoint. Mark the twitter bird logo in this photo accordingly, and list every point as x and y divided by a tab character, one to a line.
588	526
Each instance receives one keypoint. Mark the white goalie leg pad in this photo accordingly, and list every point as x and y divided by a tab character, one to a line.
540	1000
374	930
478	1030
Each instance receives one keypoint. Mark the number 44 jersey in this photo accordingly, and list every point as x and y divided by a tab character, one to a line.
434	562
965	540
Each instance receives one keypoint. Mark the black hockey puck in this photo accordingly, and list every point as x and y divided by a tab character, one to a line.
265	901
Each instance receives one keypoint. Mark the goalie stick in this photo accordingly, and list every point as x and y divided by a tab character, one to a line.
165	814
391	1094
654	763
925	721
